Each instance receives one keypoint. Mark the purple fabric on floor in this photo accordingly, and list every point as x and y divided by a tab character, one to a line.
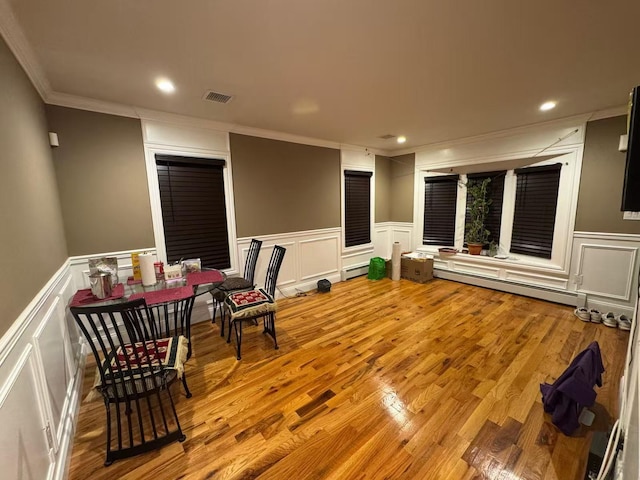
573	390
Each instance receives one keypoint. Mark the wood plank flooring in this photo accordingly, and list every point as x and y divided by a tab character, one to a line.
376	380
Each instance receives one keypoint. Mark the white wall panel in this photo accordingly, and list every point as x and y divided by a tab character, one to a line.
318	256
186	136
23	443
40	380
310	256
403	235
605	268
50	346
386	233
545	281
489	272
80	265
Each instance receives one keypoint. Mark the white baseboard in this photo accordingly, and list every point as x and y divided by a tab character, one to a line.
605	307
557	296
306	286
354	271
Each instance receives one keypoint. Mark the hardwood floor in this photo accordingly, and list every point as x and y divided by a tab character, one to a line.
376	380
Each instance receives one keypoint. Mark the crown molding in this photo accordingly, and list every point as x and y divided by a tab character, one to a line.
111	108
609	112
90	104
573	120
578	119
12	33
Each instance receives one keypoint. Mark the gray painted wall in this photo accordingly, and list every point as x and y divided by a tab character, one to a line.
601	181
102	179
383	189
402	178
32	242
283	187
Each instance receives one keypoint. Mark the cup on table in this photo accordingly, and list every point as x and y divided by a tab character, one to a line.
101	284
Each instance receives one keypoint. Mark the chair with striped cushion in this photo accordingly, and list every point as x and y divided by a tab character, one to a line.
252	304
236	284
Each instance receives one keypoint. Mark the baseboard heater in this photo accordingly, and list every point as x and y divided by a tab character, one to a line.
352	272
565	298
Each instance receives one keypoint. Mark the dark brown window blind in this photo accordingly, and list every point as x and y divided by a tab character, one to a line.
440	198
495	191
535	210
194	210
357	207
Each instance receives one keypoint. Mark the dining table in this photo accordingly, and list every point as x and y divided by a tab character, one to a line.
166	299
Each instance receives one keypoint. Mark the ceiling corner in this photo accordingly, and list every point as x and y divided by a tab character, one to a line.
15	38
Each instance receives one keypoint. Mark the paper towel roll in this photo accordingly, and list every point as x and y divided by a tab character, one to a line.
147	269
395	261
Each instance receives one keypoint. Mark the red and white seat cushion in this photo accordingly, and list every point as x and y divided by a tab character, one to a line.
250	304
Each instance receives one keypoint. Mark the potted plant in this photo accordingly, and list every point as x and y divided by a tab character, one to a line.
477	234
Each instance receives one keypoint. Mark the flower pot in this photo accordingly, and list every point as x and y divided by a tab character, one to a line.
475	248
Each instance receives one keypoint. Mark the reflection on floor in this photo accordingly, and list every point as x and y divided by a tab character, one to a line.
376	380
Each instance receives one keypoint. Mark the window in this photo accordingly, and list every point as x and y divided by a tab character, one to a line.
535	210
194	212
357	207
440	197
495	193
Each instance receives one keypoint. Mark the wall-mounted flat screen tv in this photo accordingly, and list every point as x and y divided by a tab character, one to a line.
631	189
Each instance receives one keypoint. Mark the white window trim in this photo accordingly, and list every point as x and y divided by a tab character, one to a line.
571	157
361	161
150	152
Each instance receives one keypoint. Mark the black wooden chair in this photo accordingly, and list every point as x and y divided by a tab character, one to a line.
174	319
236	284
135	369
250	305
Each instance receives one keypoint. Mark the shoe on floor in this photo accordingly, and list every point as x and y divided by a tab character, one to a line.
609	319
596	316
624	323
583	314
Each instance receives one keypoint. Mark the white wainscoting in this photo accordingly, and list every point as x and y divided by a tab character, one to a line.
80	265
41	360
386	233
311	255
605	268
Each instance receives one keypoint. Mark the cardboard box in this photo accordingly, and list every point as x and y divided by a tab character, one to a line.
419	270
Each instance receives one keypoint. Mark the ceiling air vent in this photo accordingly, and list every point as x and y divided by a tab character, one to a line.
388	136
217	97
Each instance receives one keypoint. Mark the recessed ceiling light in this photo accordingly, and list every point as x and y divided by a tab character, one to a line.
401	139
165	85
546	106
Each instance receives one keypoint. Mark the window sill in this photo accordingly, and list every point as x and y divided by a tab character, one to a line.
511	262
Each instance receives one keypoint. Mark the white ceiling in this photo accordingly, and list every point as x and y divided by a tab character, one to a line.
346	71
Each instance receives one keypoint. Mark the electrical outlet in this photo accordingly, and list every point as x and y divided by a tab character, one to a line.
631	216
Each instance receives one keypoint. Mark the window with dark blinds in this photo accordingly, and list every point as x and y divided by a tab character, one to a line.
440	197
194	210
535	210
495	191
357	207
